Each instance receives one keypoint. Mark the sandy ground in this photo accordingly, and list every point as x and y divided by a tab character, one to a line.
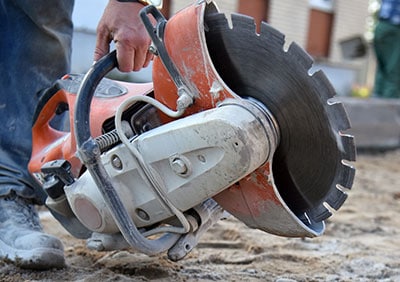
361	243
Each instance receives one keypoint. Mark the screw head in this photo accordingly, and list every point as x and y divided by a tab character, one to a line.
116	162
142	214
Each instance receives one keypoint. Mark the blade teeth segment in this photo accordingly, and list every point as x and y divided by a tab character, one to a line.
272	35
243	21
326	90
319	213
339	116
349	147
297	53
346	176
336	198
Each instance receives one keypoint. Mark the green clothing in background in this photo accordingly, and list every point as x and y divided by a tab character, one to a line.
387	49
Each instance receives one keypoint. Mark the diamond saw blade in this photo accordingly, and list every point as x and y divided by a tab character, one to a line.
309	167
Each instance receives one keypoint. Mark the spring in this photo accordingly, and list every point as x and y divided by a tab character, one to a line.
106	140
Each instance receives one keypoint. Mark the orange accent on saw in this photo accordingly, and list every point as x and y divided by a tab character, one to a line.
188	51
50	144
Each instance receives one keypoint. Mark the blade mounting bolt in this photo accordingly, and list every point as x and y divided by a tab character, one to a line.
180	166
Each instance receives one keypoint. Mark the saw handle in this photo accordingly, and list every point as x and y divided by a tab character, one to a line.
89	153
85	95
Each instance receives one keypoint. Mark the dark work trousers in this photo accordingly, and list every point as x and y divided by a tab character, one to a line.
35	50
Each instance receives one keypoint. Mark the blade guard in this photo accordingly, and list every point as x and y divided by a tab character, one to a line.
255	200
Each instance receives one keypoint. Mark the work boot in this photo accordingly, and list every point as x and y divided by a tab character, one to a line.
22	240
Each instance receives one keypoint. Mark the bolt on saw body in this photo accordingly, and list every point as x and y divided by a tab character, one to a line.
231	124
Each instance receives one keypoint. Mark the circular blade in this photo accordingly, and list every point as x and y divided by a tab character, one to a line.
308	167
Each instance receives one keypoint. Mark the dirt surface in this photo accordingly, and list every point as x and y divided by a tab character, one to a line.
361	243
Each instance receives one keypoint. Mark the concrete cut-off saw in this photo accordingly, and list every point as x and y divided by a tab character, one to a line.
232	124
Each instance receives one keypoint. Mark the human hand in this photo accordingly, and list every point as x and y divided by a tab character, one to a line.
121	23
